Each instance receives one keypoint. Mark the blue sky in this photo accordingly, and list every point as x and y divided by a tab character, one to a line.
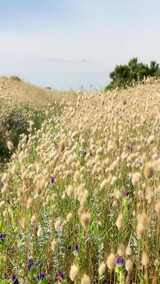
70	43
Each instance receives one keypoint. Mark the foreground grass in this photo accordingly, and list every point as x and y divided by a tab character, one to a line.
80	200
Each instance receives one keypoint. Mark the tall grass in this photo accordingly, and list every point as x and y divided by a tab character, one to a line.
80	200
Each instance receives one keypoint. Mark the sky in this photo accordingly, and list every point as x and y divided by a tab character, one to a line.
69	44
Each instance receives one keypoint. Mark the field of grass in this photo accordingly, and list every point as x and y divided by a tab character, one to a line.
80	198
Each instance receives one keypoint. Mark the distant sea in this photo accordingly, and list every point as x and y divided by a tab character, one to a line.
70	80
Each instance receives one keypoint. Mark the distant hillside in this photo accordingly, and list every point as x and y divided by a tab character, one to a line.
15	91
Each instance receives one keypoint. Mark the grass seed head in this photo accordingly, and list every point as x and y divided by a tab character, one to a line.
149	170
101	269
128	251
121	250
145	259
74	271
111	261
85	219
53	245
85	279
129	265
157	208
136	177
120	221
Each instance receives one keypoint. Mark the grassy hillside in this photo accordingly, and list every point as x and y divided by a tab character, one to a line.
18	92
20	103
80	200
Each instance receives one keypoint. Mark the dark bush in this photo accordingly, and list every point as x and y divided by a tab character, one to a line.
13	123
127	75
15	78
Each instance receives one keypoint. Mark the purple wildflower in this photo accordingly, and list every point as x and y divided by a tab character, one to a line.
30	263
2	236
15	280
77	247
125	193
60	276
120	261
41	276
53	179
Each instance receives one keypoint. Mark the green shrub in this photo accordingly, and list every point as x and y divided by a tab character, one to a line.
15	78
13	123
134	71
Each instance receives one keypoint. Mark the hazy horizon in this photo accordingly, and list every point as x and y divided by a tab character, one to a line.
73	43
73	80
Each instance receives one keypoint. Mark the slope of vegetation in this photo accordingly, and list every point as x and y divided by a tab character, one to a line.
14	91
80	200
21	104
